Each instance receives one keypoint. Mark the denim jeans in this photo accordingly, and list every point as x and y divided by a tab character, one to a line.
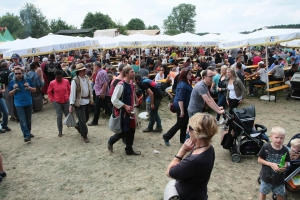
4	111
221	102
154	116
256	82
24	114
60	108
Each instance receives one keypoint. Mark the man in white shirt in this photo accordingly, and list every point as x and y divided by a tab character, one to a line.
80	99
263	74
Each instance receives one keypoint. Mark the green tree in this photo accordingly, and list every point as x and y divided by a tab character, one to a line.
154	27
34	22
181	19
13	24
98	21
136	24
122	29
57	25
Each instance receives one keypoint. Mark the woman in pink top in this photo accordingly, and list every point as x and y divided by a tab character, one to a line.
58	93
256	59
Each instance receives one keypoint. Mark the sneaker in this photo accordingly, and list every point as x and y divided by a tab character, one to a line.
27	139
31	135
223	121
147	130
2	131
167	143
158	130
225	128
6	128
86	139
110	147
133	153
3	174
250	95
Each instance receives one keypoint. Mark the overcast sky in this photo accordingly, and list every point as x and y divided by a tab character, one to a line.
214	16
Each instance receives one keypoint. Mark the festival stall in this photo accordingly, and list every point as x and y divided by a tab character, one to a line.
15	44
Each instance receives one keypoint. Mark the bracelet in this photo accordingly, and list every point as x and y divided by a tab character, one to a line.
178	157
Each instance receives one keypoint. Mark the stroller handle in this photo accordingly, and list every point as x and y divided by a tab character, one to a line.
262	130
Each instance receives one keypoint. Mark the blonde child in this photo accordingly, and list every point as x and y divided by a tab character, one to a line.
295	149
272	177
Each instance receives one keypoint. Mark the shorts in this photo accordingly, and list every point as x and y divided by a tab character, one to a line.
265	188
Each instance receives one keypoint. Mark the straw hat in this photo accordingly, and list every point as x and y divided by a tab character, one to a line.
80	67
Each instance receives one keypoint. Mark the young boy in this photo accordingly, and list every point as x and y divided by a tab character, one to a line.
272	177
295	149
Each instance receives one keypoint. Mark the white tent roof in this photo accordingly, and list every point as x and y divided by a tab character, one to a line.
263	37
192	40
50	43
14	44
294	43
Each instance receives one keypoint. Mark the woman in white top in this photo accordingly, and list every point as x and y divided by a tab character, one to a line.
236	91
160	75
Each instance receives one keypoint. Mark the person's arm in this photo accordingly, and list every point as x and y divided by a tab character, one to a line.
50	92
30	85
181	106
211	103
115	98
186	147
274	166
150	93
2	90
243	88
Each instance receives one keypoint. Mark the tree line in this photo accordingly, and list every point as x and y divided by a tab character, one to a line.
32	22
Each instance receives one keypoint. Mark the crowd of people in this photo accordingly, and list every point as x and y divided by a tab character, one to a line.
82	83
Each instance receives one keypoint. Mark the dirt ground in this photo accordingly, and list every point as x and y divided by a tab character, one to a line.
50	167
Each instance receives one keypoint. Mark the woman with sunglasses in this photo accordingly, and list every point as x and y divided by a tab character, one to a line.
192	173
181	102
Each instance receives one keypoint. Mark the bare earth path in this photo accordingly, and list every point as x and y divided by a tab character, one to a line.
50	167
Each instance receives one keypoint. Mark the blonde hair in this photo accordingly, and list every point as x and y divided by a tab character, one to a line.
204	125
278	130
224	67
295	143
232	70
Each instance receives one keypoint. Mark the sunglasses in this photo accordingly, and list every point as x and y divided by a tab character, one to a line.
190	128
211	76
18	73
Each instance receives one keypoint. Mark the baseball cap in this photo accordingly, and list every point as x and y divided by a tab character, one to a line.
14	56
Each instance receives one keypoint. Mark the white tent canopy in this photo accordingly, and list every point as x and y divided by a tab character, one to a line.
51	43
263	37
192	40
294	43
15	44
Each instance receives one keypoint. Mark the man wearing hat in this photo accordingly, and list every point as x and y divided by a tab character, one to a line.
51	68
16	62
80	97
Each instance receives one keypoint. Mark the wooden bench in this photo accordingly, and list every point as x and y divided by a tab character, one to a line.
271	83
276	89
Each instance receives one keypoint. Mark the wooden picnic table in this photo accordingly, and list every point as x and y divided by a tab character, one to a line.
171	66
162	81
252	66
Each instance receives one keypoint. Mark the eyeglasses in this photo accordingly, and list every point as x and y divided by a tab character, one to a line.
18	73
190	128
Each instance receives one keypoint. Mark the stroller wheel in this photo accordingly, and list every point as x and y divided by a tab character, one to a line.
235	157
288	96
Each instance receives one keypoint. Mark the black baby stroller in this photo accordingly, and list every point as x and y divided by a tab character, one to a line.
290	173
248	138
295	87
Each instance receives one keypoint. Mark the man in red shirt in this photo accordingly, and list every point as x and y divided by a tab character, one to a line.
58	93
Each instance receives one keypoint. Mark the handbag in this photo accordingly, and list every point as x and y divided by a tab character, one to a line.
115	123
170	192
172	107
70	121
